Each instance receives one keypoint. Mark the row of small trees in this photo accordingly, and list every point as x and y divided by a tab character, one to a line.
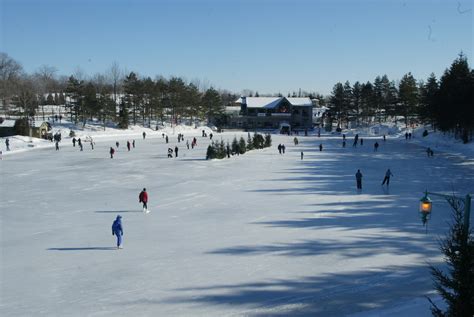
220	150
445	103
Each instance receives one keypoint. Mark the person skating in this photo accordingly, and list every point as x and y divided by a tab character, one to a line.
57	146
361	141
128	145
279	148
144	135
117	144
302	154
283	148
166	139
388	173
133	143
79	142
7	144
176	151
117	230
343	143
143	198
359	179
376	146
187	144
320	147
112	151
74	142
170	152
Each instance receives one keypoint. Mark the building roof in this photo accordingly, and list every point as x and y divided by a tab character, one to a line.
272	102
300	101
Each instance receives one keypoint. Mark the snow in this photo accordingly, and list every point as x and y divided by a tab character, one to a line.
260	234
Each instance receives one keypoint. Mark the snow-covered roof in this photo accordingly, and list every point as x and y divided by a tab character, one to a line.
261	102
300	101
272	102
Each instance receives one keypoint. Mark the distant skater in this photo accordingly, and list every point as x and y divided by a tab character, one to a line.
143	198
176	151
112	151
117	230
57	146
144	135
388	173
376	146
117	144
133	143
320	147
128	145
74	142
7	144
79	142
302	154
359	179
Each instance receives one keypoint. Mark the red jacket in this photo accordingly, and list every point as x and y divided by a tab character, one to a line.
143	197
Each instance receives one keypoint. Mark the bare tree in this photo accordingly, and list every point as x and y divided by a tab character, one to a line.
116	77
10	72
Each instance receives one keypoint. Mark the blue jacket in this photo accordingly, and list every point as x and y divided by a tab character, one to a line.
117	226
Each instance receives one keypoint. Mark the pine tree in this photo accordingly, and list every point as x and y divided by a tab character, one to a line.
408	94
249	142
235	146
268	140
456	285
242	145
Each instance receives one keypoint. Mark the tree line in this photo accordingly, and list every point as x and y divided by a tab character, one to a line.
123	99
113	97
446	104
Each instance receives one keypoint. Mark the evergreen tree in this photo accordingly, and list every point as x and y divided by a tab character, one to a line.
50	99
210	153
337	103
356	100
456	285
455	109
212	105
268	140
428	93
235	146
242	145
249	142
408	96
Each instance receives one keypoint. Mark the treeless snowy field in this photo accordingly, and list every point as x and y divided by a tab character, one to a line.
260	234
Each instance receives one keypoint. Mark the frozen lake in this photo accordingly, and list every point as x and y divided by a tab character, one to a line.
261	234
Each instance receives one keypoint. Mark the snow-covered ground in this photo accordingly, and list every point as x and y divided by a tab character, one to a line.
260	234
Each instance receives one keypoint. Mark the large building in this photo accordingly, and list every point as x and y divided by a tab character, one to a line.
271	113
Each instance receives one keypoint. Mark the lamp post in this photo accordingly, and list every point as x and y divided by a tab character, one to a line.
426	206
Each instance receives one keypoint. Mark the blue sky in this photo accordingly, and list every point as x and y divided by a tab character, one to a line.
267	46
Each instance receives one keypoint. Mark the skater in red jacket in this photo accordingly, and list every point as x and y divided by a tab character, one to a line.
143	198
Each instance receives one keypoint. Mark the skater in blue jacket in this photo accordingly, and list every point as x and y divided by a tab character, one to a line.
117	230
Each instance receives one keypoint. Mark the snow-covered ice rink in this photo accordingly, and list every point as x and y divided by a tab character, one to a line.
261	234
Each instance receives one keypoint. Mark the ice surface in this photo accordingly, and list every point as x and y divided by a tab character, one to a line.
260	234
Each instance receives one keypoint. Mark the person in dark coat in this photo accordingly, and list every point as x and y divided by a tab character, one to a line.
359	179
144	135
361	141
166	139
376	146
117	144
57	145
74	142
320	147
176	151
133	143
302	154
388	173
143	198
128	145
7	143
279	148
79	142
117	230
112	151
283	148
